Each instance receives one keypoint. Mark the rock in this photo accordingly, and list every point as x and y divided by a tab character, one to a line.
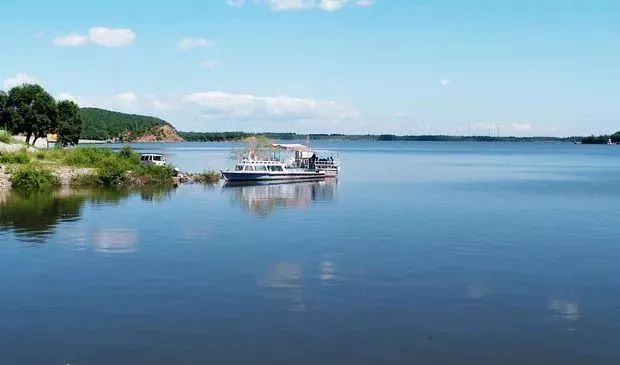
67	174
5	181
14	147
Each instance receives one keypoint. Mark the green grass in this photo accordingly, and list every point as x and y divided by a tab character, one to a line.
20	157
32	177
91	157
5	137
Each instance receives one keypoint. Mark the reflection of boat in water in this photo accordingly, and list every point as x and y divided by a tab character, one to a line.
260	170
262	198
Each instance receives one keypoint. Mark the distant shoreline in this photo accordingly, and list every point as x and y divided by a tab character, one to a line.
238	136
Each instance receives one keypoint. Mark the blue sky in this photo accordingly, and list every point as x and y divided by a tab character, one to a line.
544	67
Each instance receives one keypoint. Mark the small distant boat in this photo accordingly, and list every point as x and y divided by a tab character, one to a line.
263	170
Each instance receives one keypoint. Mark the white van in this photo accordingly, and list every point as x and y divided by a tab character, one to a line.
152	159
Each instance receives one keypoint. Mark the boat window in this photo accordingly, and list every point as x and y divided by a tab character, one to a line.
157	158
238	168
261	168
142	158
276	168
249	168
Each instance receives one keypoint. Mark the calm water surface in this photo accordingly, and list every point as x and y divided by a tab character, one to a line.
421	253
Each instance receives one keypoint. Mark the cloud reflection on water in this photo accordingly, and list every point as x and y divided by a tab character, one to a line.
565	310
282	282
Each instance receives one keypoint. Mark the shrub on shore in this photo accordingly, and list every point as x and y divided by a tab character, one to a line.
30	177
109	174
207	177
153	175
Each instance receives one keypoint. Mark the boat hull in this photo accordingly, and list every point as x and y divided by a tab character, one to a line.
330	172
272	175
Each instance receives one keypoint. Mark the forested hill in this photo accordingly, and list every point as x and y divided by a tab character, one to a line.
101	124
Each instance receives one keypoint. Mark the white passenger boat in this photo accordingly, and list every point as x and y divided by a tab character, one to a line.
262	170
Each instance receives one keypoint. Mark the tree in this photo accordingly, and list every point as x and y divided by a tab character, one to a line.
69	122
5	116
33	111
256	148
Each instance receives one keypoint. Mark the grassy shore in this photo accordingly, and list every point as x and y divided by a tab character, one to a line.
85	167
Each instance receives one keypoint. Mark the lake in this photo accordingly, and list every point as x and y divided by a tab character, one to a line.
420	253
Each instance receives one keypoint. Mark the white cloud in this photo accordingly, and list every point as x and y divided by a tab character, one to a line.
20	79
445	82
283	5
331	5
66	96
521	127
100	36
209	64
70	40
502	128
364	3
235	3
126	98
217	104
189	42
111	37
291	5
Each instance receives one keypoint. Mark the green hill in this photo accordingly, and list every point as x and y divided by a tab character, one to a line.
101	124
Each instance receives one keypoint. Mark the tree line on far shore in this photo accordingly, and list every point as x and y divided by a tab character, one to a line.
30	110
603	139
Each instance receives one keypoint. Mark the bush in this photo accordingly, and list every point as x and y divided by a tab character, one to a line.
154	175
110	174
128	153
31	177
20	157
208	177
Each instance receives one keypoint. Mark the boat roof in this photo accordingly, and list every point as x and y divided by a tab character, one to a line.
292	146
151	154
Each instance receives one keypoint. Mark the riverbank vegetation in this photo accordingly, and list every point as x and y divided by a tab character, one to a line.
86	167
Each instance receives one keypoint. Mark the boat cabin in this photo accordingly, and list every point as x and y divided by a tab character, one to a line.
250	165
